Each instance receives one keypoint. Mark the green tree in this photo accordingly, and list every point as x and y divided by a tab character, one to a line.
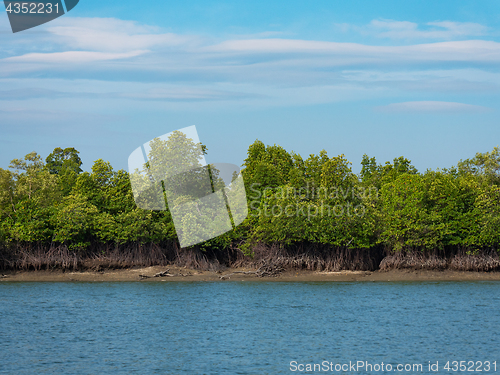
7	186
30	195
61	160
33	182
75	222
108	190
266	167
484	165
408	224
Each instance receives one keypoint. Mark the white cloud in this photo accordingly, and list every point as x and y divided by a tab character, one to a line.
184	94
441	80
432	107
174	68
30	93
172	56
283	46
471	50
29	116
112	35
71	57
435	30
383	76
248	60
457	29
91	90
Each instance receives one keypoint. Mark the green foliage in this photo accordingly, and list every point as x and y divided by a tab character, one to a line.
291	201
408	223
27	198
321	203
61	160
369	170
66	164
74	221
266	167
376	175
135	226
106	189
6	193
33	182
485	166
30	223
486	213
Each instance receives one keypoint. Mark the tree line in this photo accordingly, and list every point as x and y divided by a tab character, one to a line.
315	206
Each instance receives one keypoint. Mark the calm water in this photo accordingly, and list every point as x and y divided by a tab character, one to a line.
244	327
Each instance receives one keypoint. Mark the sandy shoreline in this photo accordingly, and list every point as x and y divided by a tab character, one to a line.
182	274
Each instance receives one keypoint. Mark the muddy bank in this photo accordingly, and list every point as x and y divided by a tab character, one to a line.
243	274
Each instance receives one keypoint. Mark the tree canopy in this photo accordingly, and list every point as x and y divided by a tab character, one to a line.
316	201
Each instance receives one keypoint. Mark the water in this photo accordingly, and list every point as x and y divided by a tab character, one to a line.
244	327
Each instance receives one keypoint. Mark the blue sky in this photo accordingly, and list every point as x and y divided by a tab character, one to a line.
386	78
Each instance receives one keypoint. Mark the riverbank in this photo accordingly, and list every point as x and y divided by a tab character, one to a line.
175	274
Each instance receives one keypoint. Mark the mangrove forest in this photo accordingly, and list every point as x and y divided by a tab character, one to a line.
303	213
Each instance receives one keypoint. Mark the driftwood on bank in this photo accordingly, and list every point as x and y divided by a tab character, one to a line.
165	273
264	271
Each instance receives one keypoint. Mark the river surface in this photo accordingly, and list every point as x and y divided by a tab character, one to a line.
248	327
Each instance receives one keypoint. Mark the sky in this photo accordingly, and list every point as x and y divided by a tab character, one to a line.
417	79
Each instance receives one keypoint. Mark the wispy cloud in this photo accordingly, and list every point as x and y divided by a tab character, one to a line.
186	94
71	57
432	107
115	47
441	80
348	53
153	94
258	60
114	35
433	30
167	67
27	117
29	93
400	30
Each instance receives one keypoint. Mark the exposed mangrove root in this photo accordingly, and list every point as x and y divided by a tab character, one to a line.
313	257
101	256
413	260
194	258
474	262
455	260
38	258
96	258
